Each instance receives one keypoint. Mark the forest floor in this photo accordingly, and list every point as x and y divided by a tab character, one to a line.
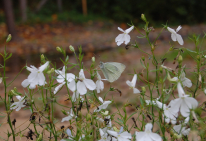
95	38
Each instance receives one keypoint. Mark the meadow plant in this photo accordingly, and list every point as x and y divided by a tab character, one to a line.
172	114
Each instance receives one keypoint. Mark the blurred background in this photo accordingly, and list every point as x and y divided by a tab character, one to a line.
38	27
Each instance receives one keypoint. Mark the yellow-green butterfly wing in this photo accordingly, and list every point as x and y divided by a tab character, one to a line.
112	70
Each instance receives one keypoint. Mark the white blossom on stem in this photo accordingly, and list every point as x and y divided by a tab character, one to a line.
69	117
99	83
120	136
132	84
170	113
36	77
175	36
124	37
18	105
181	130
104	136
103	106
184	102
147	135
82	84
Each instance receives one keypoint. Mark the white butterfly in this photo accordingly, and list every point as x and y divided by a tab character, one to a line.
112	70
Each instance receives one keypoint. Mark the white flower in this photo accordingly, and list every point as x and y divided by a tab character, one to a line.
121	136
99	83
175	36
104	136
61	78
69	117
132	84
36	77
185	81
170	113
103	106
180	130
82	84
18	105
147	135
121	38
184	102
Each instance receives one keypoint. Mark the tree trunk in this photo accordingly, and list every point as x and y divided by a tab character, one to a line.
40	5
84	7
8	10
23	7
59	3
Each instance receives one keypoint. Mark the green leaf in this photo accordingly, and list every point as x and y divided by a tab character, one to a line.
9	56
154	70
141	100
142	64
131	116
191	50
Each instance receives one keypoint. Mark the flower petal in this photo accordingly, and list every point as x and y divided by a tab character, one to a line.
134	80
129	29
113	133
126	39
89	84
120	29
171	30
43	67
58	87
81	88
178	28
41	79
179	39
72	85
25	83
191	102
136	91
173	36
184	109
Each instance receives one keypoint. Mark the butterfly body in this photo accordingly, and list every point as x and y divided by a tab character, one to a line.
112	70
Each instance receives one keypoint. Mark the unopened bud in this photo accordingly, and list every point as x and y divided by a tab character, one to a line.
115	129
50	71
161	69
93	59
105	113
15	89
143	18
64	112
152	47
90	101
198	57
180	59
71	48
39	138
173	80
42	58
59	49
143	89
8	38
88	117
143	58
176	136
171	49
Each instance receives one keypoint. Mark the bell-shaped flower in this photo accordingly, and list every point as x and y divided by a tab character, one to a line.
175	36
103	106
120	136
124	37
82	84
184	102
18	105
147	135
104	136
170	113
36	77
99	83
69	117
132	84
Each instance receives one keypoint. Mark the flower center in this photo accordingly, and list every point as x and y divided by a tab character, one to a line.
167	109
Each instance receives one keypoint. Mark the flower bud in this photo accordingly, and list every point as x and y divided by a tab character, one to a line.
88	117
93	59
143	89
115	129
152	47
171	49
105	113
198	57
64	112
39	138
90	101
42	58
59	49
143	58
8	38
143	18
180	59
71	48
15	89
161	69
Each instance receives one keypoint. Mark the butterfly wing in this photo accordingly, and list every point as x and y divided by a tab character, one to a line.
112	70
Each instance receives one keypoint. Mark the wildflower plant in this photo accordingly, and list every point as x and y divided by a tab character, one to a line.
164	109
